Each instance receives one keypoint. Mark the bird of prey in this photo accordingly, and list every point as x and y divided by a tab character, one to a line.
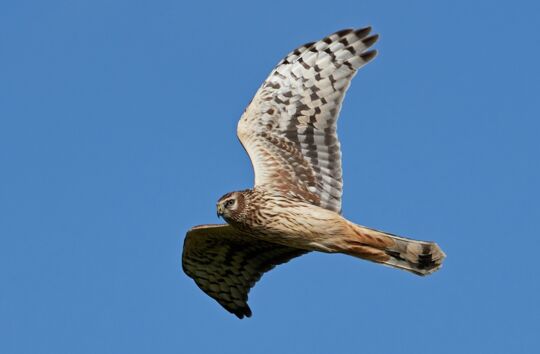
289	133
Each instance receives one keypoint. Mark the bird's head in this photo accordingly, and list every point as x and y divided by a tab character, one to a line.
231	206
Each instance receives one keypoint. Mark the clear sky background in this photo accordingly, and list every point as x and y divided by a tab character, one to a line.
117	134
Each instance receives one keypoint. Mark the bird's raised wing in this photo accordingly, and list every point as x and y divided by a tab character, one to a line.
289	128
226	264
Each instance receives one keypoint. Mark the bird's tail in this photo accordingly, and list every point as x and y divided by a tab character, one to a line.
418	257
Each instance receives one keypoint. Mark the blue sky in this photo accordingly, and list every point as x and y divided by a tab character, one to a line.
117	134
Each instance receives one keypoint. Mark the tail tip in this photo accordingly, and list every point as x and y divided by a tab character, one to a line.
430	259
420	258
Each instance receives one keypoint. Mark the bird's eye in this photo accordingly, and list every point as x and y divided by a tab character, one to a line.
229	203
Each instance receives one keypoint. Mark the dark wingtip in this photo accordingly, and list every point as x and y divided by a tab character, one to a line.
362	32
369	55
242	312
248	312
344	32
369	41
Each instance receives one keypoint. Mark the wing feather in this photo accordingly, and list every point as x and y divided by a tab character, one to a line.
226	264
289	128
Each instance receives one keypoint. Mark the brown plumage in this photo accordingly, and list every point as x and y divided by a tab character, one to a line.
289	132
273	217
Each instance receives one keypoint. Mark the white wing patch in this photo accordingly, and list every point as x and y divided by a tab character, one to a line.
289	128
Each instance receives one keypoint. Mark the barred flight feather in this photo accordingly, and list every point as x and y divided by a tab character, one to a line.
289	128
226	264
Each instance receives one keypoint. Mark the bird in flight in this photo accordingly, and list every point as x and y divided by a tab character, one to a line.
289	133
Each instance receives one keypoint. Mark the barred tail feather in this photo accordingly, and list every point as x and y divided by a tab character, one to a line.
418	257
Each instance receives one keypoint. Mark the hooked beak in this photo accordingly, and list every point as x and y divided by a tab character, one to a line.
219	210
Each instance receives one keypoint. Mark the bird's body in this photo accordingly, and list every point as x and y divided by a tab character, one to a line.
289	132
271	217
293	222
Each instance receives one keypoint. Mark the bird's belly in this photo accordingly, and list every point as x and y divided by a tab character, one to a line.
303	225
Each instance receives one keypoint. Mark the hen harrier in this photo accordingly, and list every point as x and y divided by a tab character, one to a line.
289	132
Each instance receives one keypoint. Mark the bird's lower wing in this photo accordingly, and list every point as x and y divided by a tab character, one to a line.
226	263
